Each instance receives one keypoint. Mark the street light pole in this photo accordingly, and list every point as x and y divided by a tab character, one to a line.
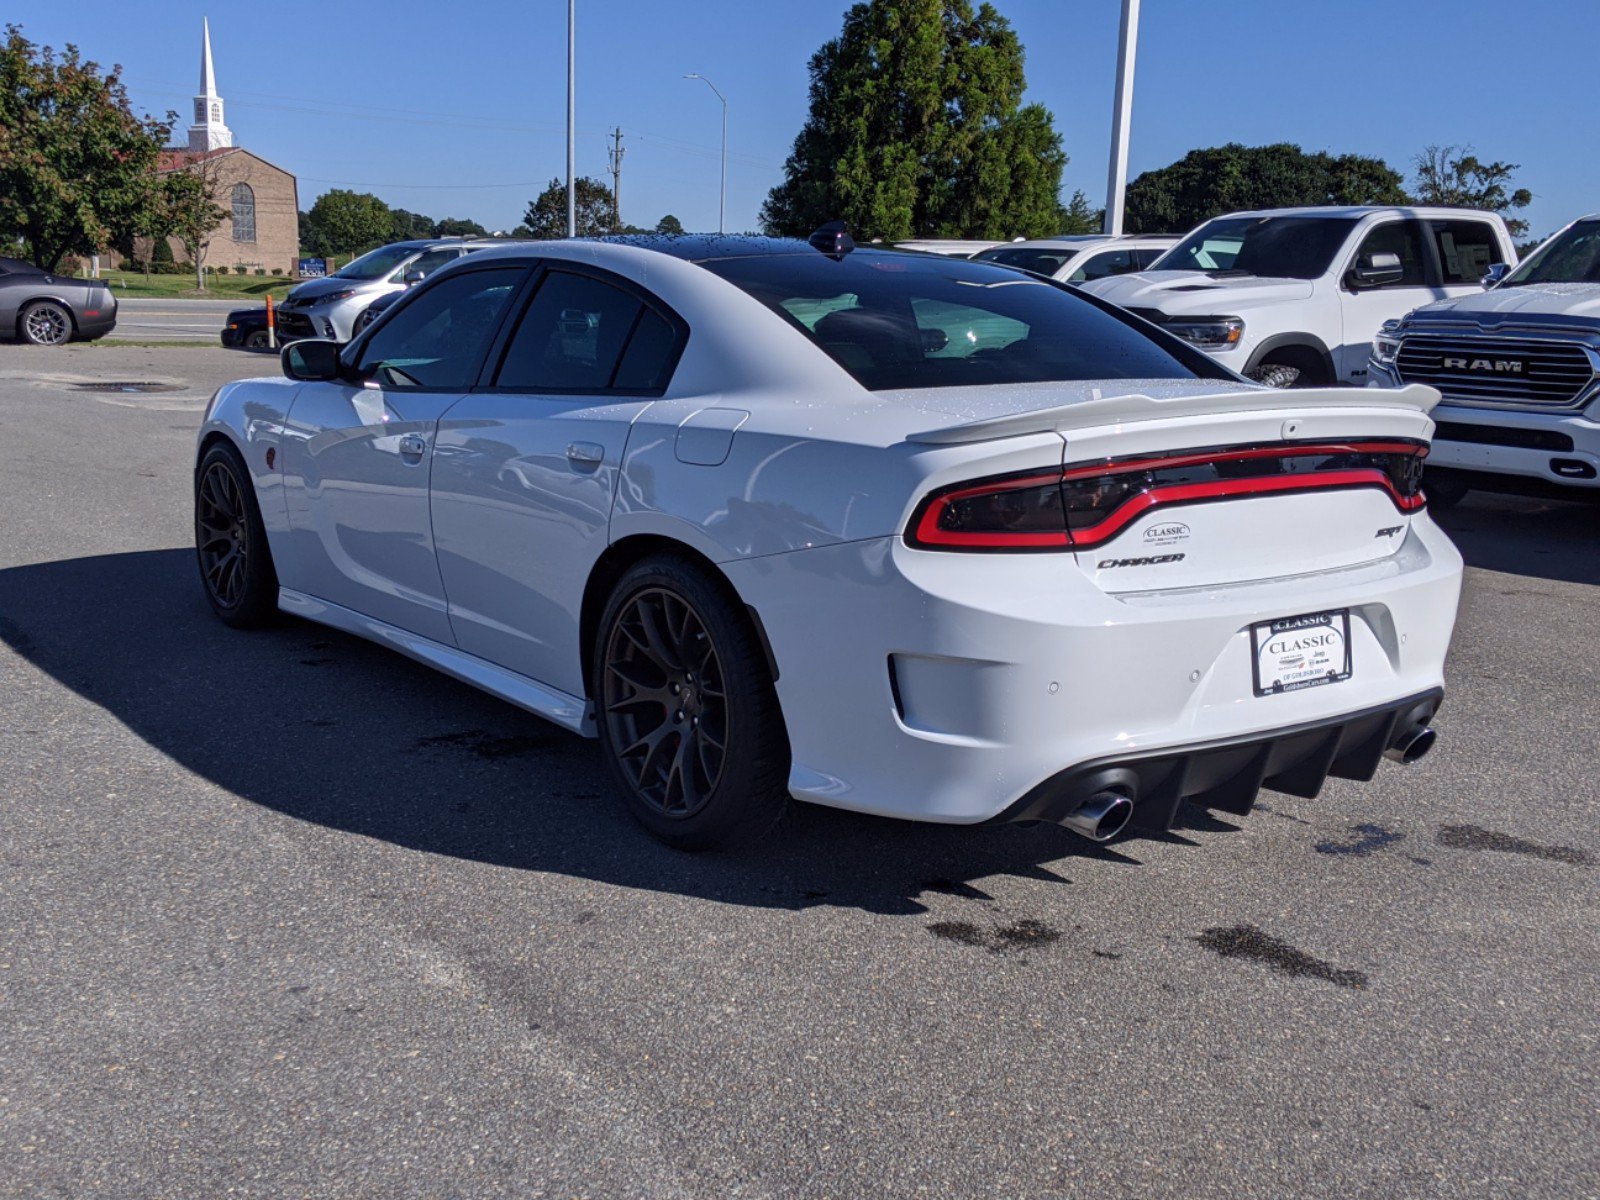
722	203
1122	117
572	118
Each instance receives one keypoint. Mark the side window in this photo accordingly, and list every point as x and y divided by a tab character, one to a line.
571	338
650	356
1466	248
435	340
427	263
1401	238
1102	265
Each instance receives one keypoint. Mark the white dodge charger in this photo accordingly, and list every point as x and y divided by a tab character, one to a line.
909	535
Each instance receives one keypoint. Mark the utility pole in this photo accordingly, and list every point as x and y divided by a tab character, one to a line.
722	203
1122	117
572	118
615	155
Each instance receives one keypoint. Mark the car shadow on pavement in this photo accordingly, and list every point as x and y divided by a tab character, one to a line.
1550	539
331	729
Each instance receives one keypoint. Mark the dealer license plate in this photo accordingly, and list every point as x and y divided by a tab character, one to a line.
1301	652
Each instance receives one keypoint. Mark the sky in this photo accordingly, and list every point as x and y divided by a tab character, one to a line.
459	109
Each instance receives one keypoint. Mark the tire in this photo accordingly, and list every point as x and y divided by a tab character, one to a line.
236	570
1443	491
1278	375
45	323
677	664
258	341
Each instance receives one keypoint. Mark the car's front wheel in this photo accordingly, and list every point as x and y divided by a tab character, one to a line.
236	568
258	340
688	716
46	323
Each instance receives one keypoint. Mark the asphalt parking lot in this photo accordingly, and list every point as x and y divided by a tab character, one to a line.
283	914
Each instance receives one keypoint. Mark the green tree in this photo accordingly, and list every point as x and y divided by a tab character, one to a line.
547	216
670	225
1454	177
1078	217
77	168
410	226
186	200
348	221
1204	183
454	227
917	128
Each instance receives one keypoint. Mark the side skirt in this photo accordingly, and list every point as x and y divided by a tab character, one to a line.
569	712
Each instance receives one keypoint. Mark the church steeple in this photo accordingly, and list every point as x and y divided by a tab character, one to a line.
208	132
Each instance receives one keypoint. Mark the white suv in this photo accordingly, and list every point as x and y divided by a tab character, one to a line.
1294	296
1081	258
328	307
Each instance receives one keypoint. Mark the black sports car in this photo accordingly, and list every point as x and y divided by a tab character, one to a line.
51	310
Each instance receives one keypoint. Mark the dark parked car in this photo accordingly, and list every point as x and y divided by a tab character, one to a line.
246	329
51	310
373	311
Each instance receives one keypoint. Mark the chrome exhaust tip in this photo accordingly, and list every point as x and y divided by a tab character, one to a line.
1101	817
1412	746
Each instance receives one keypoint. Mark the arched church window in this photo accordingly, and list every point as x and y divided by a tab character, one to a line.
244	213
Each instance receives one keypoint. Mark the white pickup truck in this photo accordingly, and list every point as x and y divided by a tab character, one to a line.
1519	368
1294	296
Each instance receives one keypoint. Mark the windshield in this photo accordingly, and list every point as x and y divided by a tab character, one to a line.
904	321
1275	247
377	263
1039	261
1570	257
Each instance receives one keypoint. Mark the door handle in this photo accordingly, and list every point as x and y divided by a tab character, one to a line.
413	446
588	454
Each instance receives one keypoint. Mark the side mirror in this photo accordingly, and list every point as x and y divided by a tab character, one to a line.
1377	270
1495	273
415	276
314	360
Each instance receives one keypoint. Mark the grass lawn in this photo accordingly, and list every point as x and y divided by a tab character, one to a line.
133	285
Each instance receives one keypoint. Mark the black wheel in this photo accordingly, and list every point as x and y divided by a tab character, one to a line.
46	323
231	543
689	720
257	341
1443	491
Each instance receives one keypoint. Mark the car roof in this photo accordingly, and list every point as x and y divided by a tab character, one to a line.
21	267
1355	211
1079	240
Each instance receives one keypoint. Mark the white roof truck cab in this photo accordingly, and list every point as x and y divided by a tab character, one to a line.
1081	258
1293	296
1518	366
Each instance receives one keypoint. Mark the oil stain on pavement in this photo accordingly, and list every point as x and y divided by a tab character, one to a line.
1247	941
1471	837
1368	838
998	939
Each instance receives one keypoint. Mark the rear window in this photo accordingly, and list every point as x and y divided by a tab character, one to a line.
894	321
1040	262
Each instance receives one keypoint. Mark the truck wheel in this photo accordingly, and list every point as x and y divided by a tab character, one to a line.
1291	367
257	340
1443	491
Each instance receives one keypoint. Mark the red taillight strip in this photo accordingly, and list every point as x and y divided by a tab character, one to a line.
927	532
1227	489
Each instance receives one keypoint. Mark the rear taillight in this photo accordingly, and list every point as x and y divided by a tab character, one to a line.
1086	505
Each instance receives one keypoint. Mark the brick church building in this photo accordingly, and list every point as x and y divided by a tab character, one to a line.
262	228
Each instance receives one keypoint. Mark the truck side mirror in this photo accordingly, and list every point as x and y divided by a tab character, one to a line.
1495	273
1377	270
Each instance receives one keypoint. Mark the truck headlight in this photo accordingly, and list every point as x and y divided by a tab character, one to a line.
1208	333
1386	345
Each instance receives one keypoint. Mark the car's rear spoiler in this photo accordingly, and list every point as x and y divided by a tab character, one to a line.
1119	410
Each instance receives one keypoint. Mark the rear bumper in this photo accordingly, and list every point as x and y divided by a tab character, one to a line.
1228	773
945	687
89	328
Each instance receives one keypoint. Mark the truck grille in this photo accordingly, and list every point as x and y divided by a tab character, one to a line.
1497	371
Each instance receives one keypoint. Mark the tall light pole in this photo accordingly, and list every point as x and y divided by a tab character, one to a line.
572	118
722	204
1122	116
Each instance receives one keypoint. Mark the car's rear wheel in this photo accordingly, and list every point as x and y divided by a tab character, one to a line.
689	721
236	568
46	323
